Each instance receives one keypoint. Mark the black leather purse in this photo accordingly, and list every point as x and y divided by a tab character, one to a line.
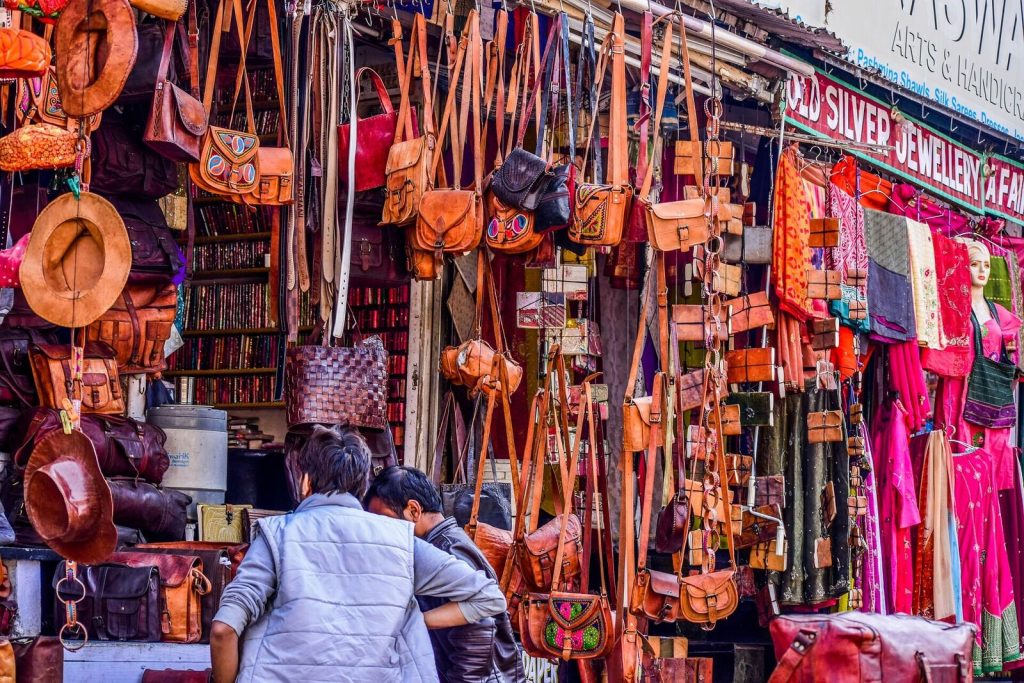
520	180
554	209
120	602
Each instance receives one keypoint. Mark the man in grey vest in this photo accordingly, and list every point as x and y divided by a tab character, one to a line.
484	652
328	592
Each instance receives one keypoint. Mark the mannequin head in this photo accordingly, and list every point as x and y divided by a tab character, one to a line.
981	263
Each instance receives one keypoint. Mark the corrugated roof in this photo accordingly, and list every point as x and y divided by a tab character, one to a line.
778	22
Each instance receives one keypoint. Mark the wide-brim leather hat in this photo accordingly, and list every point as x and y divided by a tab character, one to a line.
67	499
77	261
96	44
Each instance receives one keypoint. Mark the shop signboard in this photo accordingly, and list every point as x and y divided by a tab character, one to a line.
539	670
1004	189
961	55
822	105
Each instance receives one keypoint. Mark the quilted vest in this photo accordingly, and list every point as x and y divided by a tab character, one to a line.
344	600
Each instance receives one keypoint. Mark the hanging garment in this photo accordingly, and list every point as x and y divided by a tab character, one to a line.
852	251
998	288
935	581
872	191
791	253
890	304
809	468
872	580
898	506
953	275
1011	507
925	285
952	393
985	574
1017	287
906	378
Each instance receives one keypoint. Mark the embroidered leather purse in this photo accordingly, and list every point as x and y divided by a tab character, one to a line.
451	220
410	159
600	212
228	165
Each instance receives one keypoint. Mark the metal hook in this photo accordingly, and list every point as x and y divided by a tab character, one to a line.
952	124
892	96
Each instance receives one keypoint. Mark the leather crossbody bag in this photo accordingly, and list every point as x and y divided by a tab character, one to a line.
228	164
182	587
679	224
451	221
410	159
641	413
101	386
178	119
601	210
119	602
564	624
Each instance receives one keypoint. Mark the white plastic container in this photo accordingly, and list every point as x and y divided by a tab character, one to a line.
197	445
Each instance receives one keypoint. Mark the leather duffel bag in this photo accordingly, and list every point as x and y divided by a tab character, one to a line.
119	602
160	514
182	586
859	646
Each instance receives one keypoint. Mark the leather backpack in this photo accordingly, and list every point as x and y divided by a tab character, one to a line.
124	166
101	386
450	221
137	327
601	210
16	384
156	257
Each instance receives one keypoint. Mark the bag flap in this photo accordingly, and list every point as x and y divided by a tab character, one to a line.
173	569
405	154
520	171
53	351
113	581
681	210
440	210
235	146
643	408
131	445
699	587
545	539
191	113
94	379
663	583
275	161
573	611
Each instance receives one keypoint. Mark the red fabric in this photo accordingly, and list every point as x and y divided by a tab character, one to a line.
874	191
952	269
791	251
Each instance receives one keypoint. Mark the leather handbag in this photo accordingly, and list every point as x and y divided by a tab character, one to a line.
119	602
145	73
177	119
124	166
452	220
39	102
124	447
39	659
564	624
510	229
23	54
220	563
750	365
680	224
823	284
862	646
156	257
38	147
137	327
336	385
375	135
182	586
222	523
991	384
600	211
228	164
101	386
378	256
753	247
750	312
160	514
16	384
673	524
276	165
472	364
825	426
177	676
410	160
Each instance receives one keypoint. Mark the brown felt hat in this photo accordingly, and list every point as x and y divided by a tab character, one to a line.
67	499
77	261
96	44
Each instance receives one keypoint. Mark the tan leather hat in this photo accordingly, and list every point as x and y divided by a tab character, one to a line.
77	261
96	44
67	499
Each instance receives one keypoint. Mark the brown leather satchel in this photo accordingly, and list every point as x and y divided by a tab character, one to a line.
182	587
750	365
115	601
410	160
680	224
563	624
101	386
451	221
601	211
137	327
177	119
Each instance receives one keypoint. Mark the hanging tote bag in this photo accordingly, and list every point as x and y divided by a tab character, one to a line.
991	384
600	212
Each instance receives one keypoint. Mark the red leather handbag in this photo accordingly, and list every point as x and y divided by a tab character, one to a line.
374	136
859	646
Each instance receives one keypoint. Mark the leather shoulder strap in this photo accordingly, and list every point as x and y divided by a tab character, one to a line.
657	414
618	162
691	107
666	55
794	655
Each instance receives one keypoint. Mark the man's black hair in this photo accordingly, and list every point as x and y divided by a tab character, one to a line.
337	461
396	486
